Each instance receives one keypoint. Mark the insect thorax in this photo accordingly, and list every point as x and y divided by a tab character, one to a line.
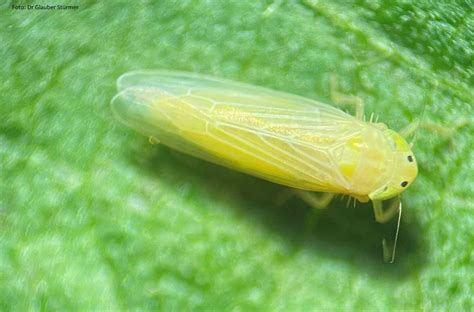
364	160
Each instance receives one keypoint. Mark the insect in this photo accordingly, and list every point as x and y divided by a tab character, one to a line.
287	139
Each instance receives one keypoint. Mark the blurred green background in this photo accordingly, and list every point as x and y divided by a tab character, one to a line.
93	217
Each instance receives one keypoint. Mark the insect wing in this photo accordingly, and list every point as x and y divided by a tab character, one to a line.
277	136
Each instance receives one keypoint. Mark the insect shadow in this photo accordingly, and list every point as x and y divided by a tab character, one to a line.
341	232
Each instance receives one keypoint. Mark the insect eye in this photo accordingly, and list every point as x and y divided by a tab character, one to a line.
404	183
410	158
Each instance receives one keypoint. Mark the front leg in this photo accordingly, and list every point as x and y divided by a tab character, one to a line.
411	128
383	216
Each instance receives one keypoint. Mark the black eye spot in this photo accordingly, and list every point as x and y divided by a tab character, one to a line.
410	158
404	183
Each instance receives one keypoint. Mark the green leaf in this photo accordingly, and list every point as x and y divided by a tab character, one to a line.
92	217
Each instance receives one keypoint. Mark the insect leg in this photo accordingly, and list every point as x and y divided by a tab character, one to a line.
445	131
315	201
342	99
383	216
271	8
153	141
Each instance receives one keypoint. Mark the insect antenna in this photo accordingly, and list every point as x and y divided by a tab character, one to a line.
396	233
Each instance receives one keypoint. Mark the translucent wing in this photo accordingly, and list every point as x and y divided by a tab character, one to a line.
277	136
